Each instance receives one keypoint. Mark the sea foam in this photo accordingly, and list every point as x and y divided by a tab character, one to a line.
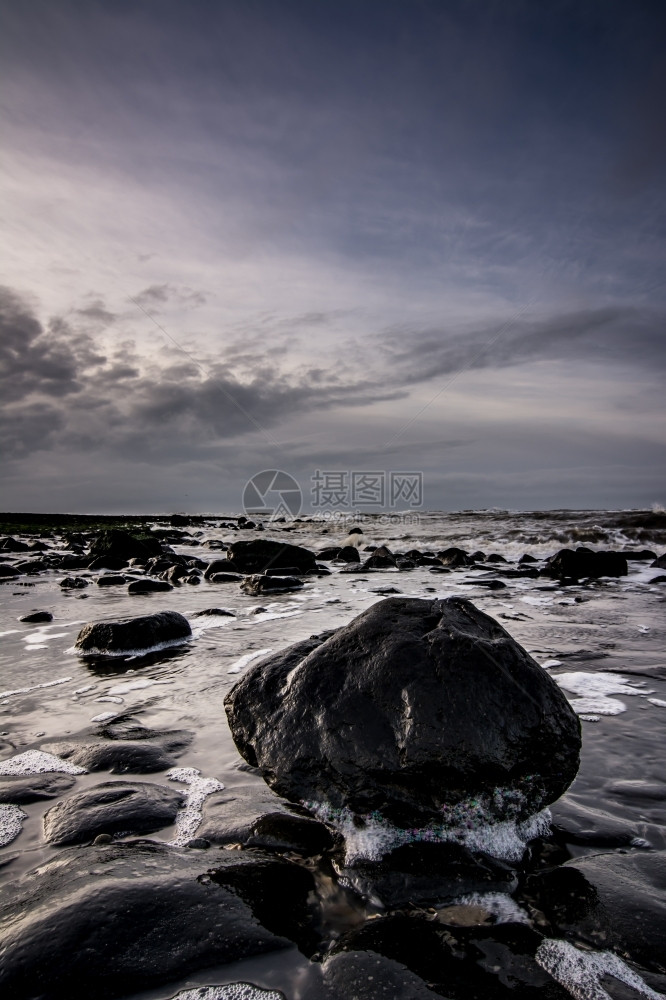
474	823
11	822
232	991
187	821
581	972
38	762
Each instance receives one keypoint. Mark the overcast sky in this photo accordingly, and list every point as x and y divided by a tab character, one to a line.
334	235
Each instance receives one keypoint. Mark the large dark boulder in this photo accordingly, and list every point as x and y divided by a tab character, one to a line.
413	709
260	554
124	635
110	921
112	807
583	562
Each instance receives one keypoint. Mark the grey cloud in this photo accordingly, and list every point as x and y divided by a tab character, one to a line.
97	312
612	334
66	394
152	295
156	295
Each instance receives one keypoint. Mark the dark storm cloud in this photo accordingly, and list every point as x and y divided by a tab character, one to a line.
619	335
64	394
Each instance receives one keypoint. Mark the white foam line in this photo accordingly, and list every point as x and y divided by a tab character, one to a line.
241	663
599	683
581	972
659	702
112	698
187	822
471	823
41	636
232	991
11	822
35	687
10	631
104	716
38	762
128	653
591	708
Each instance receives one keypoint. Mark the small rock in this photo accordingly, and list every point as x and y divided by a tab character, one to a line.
129	634
112	807
22	789
148	586
261	584
37	616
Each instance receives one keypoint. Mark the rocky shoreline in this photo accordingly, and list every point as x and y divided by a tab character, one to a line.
400	840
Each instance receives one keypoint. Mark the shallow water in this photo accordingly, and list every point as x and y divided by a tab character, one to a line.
613	628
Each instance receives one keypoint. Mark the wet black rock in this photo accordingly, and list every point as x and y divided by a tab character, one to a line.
107	562
10	544
116	544
583	562
73	583
496	558
381	558
148	586
213	612
576	822
262	584
253	815
659	562
126	757
8	572
219	566
463	963
225	577
454	557
37	616
112	807
26	788
128	634
527	558
112	580
112	920
326	555
643	556
361	975
609	901
283	831
175	573
180	521
126	728
423	874
348	554
490	584
421	705
259	554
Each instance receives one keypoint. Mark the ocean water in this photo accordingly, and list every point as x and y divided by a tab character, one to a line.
604	643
